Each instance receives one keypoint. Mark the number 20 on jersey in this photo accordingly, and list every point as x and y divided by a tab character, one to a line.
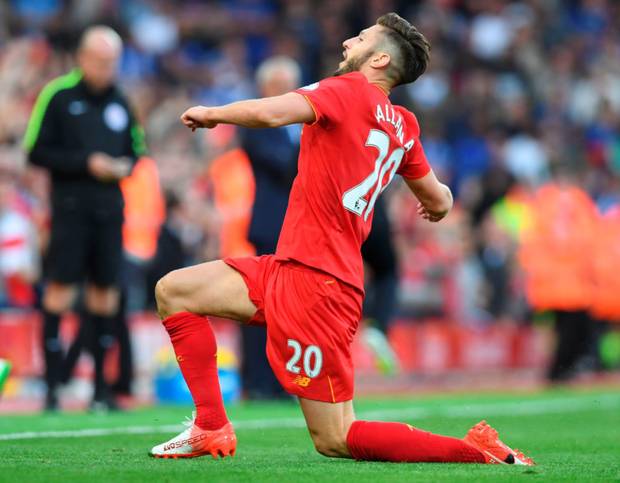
355	199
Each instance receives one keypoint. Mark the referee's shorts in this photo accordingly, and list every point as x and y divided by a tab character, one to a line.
86	244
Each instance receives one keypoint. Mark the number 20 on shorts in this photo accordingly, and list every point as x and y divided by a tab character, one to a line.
312	359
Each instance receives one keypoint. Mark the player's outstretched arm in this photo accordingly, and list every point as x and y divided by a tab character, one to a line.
435	198
290	108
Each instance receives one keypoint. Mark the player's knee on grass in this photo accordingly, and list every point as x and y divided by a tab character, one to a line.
328	425
331	444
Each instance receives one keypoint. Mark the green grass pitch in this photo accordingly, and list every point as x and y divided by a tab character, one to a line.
572	435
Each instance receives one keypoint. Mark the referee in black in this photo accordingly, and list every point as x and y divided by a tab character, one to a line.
84	133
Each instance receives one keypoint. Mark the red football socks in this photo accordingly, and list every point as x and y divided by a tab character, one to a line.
196	350
399	442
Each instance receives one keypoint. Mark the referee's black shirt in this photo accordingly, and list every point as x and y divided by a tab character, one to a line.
69	123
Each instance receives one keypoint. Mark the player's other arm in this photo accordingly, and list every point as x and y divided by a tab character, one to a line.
291	108
435	198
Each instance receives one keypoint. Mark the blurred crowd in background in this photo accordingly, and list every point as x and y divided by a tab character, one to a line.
519	109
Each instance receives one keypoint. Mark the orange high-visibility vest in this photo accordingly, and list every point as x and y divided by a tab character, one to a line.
145	209
556	251
606	265
233	183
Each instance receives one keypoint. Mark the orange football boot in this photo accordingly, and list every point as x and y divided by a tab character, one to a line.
486	440
194	441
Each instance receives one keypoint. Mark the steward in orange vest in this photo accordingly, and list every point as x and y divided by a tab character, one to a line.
556	251
606	267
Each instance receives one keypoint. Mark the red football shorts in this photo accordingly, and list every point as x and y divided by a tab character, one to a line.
311	319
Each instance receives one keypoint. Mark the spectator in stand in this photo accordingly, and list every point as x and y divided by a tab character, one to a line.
19	258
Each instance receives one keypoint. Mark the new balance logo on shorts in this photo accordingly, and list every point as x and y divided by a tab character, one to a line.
302	381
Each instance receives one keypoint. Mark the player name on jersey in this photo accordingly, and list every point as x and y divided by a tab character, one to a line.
396	120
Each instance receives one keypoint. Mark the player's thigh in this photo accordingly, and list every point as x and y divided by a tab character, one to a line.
328	424
211	288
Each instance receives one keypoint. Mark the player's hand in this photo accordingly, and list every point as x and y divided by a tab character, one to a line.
427	215
101	166
197	117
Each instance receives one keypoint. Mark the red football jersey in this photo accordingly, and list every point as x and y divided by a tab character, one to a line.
352	151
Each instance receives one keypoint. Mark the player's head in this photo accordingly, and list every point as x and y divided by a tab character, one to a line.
98	54
392	46
277	76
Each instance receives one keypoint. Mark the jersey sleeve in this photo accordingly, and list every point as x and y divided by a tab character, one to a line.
415	165
332	98
43	141
136	143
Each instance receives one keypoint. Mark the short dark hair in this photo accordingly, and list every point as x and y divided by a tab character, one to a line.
411	48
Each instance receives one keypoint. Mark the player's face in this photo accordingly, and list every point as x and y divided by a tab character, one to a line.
358	49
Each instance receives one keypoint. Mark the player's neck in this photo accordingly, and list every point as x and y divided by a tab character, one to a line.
378	81
384	86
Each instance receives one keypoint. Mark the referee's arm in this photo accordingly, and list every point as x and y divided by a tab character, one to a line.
136	144
43	144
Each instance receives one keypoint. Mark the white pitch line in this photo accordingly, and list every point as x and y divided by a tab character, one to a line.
563	405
